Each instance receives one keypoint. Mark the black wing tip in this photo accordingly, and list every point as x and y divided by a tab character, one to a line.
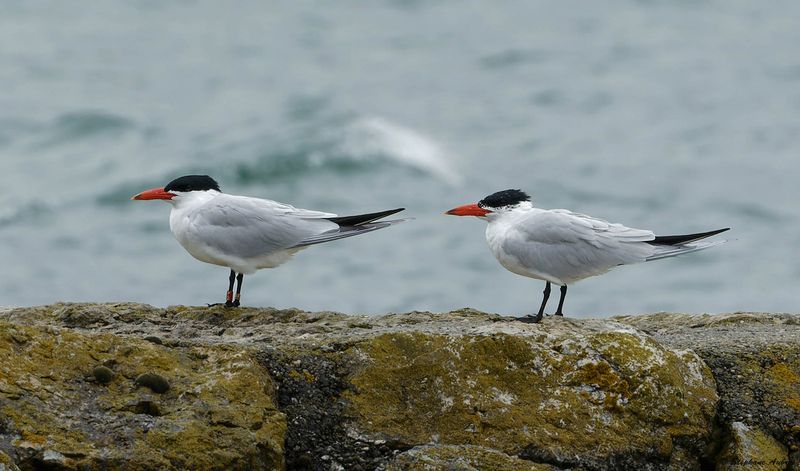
383	214
684	238
363	218
715	232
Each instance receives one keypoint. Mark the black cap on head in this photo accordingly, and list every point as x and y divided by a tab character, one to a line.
192	183
504	198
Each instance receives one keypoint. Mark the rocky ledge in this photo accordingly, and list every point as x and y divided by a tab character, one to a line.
130	386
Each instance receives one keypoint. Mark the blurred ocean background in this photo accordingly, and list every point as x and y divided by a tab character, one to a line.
677	116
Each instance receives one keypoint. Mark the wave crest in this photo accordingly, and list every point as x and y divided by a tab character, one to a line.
344	147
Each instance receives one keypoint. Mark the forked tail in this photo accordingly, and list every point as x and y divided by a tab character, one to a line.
362	218
672	245
350	226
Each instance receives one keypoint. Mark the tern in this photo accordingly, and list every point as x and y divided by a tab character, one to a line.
247	234
562	247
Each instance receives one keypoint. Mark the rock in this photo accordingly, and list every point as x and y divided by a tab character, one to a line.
751	449
286	389
761	387
103	374
219	413
755	359
53	459
574	394
460	457
157	383
6	464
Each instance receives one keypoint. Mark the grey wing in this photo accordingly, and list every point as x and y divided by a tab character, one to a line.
571	246
248	227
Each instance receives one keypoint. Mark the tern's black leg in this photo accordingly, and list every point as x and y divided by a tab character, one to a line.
540	314
238	289
561	301
229	295
546	293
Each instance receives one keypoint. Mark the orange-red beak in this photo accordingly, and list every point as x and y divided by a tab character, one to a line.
469	210
154	194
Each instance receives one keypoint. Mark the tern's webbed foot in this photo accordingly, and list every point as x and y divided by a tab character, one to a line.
235	303
529	319
230	304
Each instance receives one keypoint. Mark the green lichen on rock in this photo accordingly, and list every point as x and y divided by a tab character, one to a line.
569	396
761	385
755	359
785	377
56	414
6	464
462	458
750	449
417	390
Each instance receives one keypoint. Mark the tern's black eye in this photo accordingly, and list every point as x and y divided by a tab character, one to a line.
192	183
504	198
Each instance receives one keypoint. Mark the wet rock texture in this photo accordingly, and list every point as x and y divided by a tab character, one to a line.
129	386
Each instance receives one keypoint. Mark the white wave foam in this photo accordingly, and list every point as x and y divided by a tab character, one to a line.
375	135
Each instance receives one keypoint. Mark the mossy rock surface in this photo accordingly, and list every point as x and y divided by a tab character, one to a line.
749	448
755	359
263	388
571	394
760	387
6	464
218	414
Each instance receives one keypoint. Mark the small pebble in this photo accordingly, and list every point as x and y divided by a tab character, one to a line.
103	374
157	383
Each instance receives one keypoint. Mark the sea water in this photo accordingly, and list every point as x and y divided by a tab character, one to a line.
675	116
